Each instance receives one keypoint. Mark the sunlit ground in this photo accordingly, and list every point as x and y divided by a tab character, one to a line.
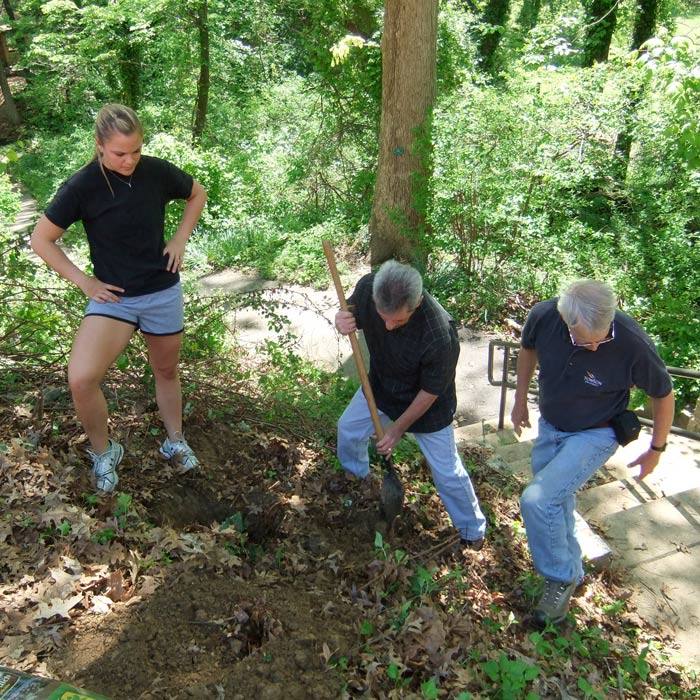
689	26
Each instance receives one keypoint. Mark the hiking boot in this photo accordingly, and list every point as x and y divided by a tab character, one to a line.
475	545
180	452
554	602
104	467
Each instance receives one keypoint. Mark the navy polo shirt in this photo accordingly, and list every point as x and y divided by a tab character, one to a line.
580	388
422	354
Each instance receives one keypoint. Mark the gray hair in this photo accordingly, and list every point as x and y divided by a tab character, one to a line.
589	304
396	286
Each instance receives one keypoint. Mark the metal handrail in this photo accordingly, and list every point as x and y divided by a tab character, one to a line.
505	383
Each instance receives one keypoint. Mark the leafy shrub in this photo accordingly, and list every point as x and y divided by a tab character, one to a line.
10	201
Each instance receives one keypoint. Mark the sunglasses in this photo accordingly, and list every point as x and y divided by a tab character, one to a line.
610	336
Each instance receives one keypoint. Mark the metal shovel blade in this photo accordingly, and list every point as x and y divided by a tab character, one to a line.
392	493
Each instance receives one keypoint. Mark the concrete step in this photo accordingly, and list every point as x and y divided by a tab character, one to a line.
476	432
678	472
501	438
516	452
594	548
519	468
487	432
522	468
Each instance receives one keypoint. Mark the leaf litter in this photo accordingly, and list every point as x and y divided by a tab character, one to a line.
269	575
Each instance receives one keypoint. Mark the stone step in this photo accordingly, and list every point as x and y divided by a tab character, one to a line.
501	438
594	548
651	528
678	472
476	432
516	451
522	468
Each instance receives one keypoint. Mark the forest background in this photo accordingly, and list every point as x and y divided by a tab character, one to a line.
552	141
561	140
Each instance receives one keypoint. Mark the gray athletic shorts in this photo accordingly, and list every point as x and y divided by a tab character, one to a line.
159	313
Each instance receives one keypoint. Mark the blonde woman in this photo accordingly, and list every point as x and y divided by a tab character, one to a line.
120	197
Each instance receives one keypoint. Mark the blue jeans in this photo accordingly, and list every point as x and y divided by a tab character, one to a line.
440	450
561	463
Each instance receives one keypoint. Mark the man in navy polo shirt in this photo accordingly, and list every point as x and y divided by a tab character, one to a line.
413	348
590	355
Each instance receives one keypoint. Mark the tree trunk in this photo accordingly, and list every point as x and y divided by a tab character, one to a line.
11	115
644	22
397	225
494	19
601	17
8	9
130	70
623	143
202	22
529	14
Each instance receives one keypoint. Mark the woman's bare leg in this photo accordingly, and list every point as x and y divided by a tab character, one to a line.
164	355
98	343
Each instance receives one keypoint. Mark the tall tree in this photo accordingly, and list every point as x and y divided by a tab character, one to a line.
397	224
8	9
202	23
529	14
8	106
644	22
601	18
493	21
645	19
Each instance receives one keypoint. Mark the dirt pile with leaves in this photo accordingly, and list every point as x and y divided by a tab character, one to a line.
269	575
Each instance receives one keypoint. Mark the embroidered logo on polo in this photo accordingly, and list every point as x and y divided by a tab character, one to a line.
591	380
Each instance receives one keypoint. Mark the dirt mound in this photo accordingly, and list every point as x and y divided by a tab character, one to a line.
267	574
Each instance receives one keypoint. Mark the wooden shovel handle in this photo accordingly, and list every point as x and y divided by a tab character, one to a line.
356	352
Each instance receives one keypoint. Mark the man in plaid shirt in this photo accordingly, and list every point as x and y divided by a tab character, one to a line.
413	348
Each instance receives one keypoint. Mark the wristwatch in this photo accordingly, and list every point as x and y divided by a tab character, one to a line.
660	448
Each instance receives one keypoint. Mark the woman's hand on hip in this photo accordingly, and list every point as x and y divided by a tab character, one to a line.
98	291
175	250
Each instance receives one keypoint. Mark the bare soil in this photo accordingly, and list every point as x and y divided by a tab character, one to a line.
267	574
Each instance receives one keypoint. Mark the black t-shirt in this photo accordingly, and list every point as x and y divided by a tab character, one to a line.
421	354
580	388
125	225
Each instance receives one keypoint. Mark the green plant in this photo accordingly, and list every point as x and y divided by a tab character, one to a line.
589	692
429	689
615	608
104	536
423	582
636	667
396	674
53	532
549	646
122	508
590	642
511	678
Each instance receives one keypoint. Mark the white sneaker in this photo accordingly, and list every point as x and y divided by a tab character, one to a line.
104	467
180	452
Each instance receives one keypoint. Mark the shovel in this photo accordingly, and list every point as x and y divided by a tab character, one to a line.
392	488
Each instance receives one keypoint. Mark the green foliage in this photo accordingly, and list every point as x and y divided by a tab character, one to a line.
527	194
9	202
510	677
48	159
531	186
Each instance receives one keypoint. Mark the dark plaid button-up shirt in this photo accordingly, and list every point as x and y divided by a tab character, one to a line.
422	354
